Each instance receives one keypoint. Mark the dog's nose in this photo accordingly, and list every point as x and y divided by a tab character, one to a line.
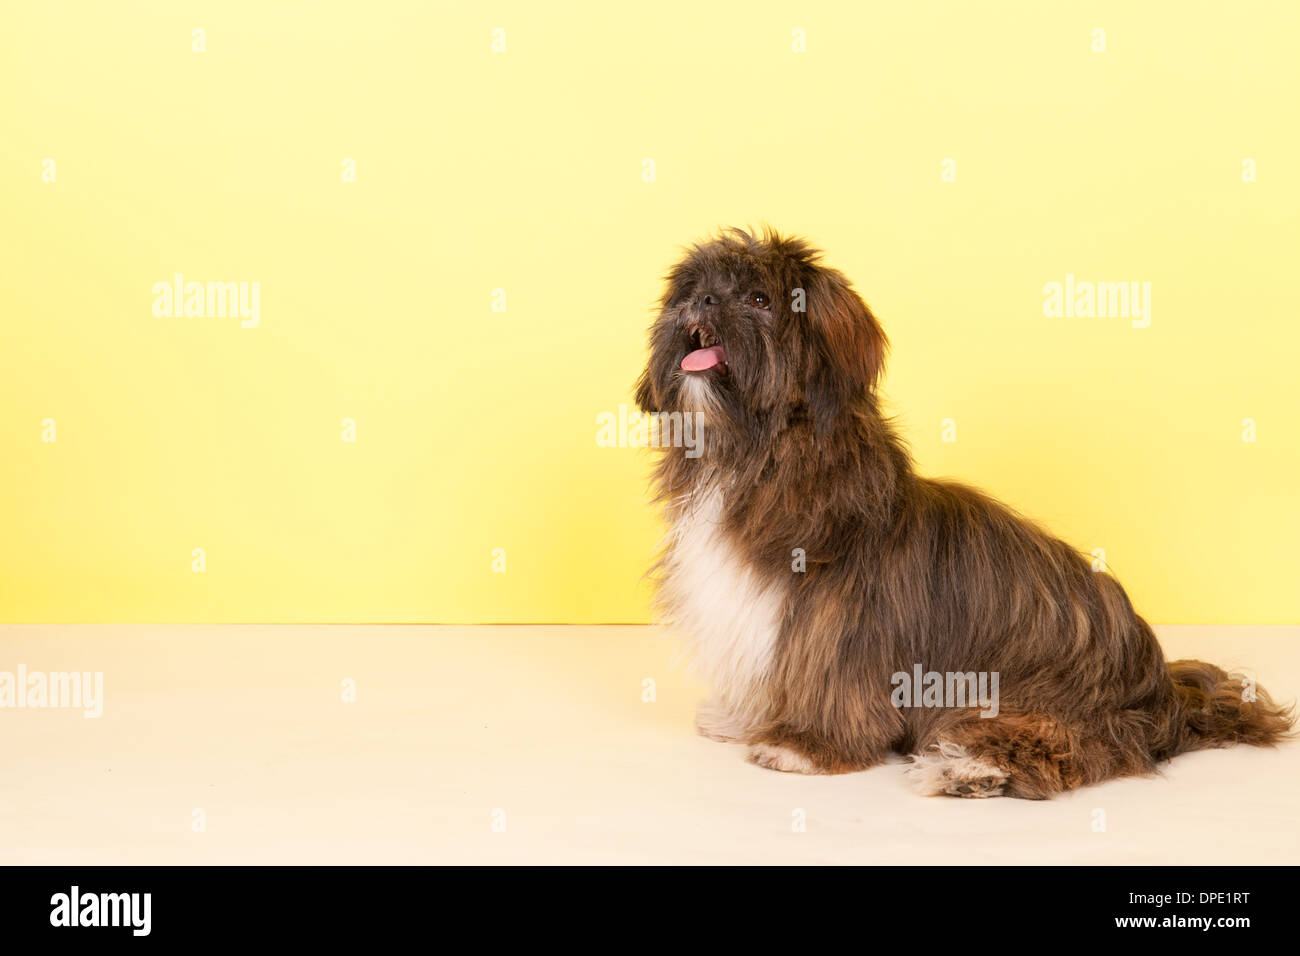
708	301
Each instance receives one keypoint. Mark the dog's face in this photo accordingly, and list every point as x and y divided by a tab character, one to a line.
755	334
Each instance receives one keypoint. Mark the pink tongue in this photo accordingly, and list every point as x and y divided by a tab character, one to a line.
701	359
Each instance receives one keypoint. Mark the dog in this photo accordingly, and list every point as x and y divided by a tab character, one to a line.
810	567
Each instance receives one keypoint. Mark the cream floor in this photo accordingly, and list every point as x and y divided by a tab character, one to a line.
544	728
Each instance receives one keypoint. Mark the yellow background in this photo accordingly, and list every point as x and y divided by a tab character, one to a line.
523	171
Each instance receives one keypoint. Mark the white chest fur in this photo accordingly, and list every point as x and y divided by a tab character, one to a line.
728	614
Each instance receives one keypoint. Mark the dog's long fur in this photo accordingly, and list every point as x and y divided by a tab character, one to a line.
900	570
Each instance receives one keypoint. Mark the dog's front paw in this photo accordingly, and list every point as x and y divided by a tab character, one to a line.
717	723
776	757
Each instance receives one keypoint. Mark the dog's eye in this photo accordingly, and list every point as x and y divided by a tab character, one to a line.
759	300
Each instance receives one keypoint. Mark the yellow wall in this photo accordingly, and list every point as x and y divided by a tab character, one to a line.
523	170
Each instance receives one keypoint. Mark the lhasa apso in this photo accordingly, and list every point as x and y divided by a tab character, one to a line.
820	580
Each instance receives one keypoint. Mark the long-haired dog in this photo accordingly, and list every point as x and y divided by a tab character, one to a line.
810	566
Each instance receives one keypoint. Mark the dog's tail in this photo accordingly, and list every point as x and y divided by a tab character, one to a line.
1216	709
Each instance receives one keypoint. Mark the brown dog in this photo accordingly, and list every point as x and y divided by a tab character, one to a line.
816	574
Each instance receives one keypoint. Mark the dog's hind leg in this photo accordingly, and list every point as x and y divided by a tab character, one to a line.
1031	756
948	768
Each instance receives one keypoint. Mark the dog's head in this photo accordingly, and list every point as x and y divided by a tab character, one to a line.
755	334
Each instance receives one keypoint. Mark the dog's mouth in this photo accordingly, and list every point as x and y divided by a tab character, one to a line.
706	352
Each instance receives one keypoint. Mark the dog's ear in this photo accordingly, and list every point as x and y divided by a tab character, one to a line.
676	282
647	398
647	394
847	348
